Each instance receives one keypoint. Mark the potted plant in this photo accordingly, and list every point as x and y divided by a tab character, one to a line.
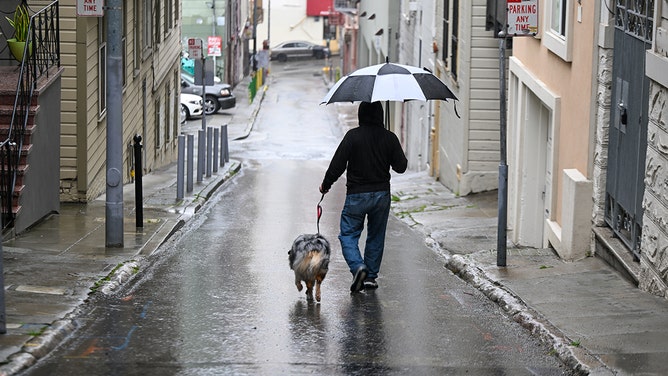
21	24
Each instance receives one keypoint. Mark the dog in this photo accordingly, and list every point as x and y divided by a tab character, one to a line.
309	258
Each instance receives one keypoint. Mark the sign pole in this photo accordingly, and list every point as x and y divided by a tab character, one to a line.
521	19
503	166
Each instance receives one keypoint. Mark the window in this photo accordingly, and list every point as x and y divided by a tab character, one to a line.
168	16
102	66
159	124
451	35
158	7
557	30
136	38
147	25
124	39
558	18
446	31
455	39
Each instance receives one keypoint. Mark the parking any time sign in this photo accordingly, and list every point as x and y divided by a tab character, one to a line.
90	8
522	17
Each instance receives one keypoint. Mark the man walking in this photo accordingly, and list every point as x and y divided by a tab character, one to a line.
366	153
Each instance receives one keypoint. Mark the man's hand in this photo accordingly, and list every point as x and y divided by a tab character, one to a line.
323	191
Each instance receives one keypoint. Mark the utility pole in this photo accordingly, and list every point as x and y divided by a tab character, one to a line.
114	194
213	32
254	37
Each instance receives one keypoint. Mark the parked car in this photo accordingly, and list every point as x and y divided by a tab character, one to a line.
191	106
217	96
298	49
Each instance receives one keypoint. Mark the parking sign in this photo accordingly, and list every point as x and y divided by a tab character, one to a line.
195	48
522	17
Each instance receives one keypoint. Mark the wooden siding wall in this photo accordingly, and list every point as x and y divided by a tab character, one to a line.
484	91
69	98
96	126
472	141
83	137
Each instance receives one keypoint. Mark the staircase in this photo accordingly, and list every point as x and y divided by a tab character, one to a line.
30	96
11	193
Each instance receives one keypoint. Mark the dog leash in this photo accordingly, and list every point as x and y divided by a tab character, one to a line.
320	211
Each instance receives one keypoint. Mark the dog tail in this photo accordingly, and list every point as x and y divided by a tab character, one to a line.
318	261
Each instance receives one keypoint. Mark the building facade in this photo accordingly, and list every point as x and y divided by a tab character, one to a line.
550	130
151	42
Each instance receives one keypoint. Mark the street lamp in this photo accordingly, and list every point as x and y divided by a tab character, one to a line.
212	5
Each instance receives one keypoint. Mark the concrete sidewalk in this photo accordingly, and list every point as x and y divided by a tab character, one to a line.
50	270
597	322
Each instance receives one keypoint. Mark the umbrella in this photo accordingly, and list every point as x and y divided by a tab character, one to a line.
388	82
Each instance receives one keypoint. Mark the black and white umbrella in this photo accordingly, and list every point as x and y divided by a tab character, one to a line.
388	82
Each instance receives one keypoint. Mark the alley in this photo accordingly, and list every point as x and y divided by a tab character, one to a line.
219	297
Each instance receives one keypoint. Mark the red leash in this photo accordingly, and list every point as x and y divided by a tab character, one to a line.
320	211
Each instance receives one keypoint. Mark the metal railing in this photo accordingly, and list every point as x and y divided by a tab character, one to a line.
43	53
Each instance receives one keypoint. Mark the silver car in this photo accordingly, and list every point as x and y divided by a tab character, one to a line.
298	49
217	97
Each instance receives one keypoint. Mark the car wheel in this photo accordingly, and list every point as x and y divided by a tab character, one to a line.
184	114
282	58
211	105
319	54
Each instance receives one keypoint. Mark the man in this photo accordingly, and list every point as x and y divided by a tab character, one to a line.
366	153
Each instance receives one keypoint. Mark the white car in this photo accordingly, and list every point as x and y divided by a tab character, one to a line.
191	106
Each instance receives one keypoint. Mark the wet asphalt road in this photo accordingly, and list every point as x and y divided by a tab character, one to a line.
220	298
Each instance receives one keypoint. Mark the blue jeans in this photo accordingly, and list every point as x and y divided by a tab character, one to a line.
375	207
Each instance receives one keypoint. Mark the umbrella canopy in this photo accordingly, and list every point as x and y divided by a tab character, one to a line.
388	82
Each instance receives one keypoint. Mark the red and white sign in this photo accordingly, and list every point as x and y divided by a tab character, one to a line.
522	17
215	46
195	48
90	8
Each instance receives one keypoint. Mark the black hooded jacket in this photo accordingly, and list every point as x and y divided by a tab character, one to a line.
367	153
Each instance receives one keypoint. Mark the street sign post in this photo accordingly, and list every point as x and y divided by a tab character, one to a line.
522	20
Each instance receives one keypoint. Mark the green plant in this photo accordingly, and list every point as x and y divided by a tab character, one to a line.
20	22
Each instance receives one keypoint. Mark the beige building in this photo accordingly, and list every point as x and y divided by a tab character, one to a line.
550	130
150	96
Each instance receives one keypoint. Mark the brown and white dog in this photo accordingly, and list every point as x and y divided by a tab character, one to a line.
309	258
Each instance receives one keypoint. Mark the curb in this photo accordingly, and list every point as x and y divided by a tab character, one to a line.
576	358
251	121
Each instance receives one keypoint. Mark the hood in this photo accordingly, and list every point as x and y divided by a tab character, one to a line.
370	114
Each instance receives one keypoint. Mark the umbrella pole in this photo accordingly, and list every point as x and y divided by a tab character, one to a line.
387	115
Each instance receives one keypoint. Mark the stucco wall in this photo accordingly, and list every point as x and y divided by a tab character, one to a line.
574	82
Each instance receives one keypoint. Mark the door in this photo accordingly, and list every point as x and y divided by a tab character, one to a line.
628	121
536	179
